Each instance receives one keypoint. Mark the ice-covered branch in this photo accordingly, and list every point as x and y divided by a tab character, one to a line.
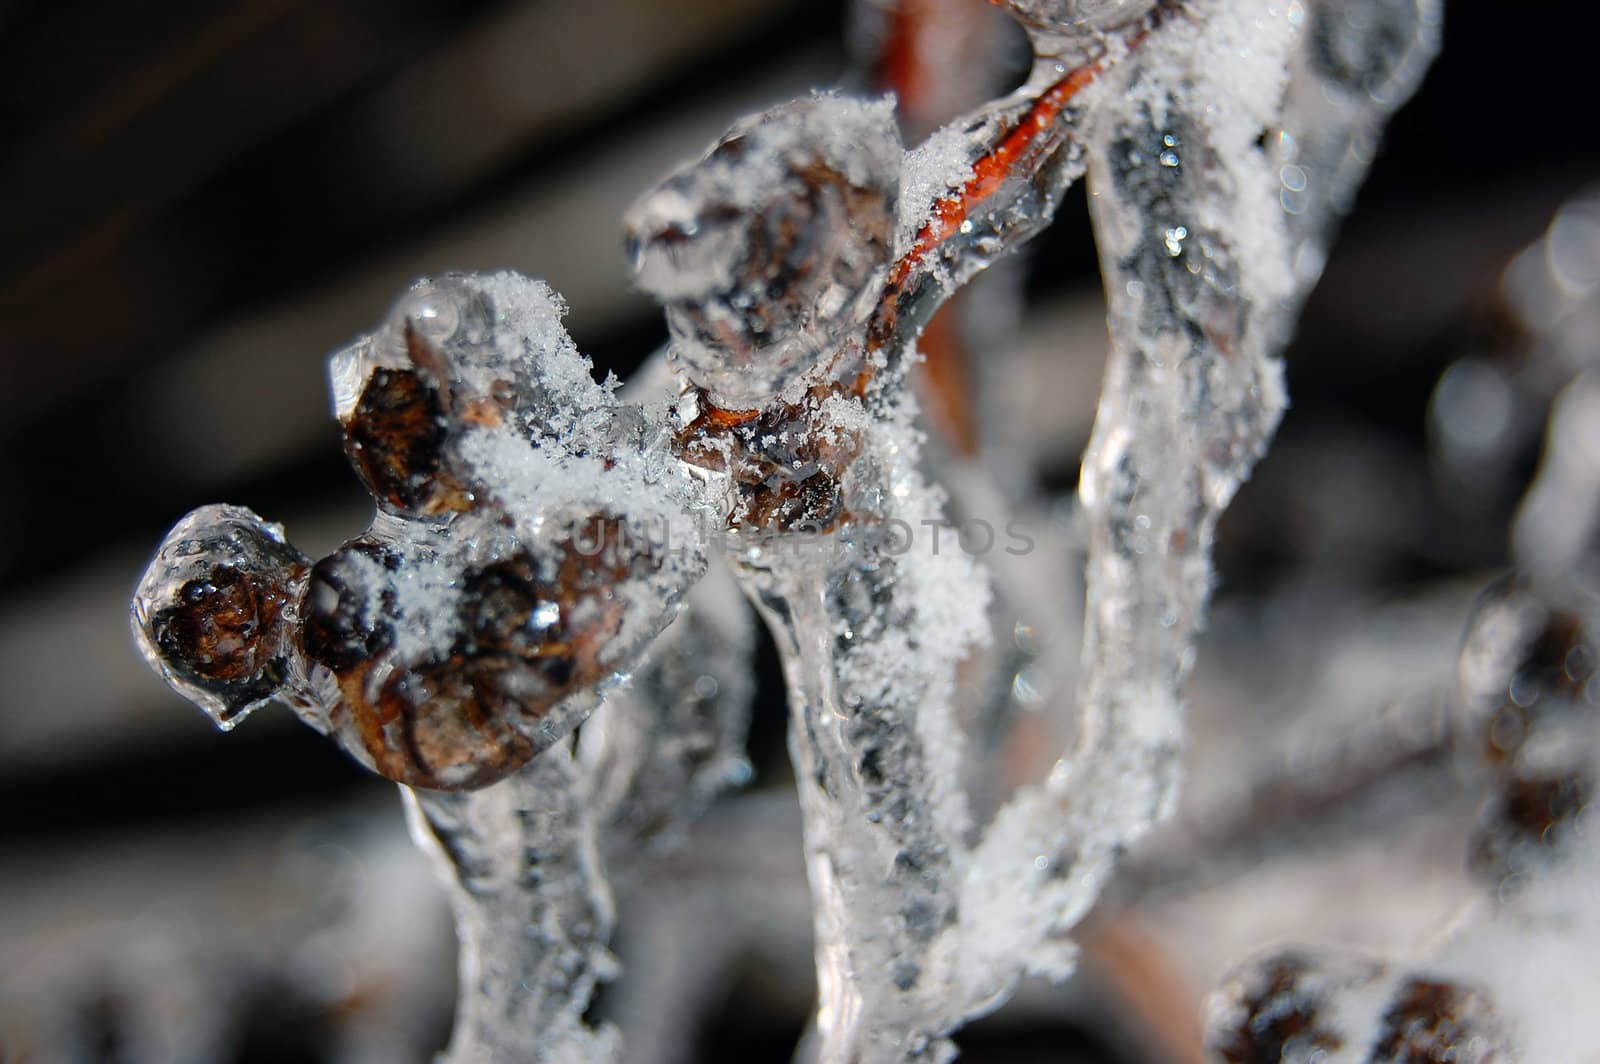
536	534
798	402
1198	251
533	537
870	634
533	913
659	750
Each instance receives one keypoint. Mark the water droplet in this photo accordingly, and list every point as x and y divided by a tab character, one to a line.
1025	691
1174	238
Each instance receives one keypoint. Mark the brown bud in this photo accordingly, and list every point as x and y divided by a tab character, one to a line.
463	694
1527	823
1430	1021
1277	1010
770	251
215	608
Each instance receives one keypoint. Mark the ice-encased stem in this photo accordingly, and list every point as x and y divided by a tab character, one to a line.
878	863
1206	254
532	911
1192	393
659	750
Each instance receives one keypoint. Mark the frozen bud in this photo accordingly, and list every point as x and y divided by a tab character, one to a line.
788	469
391	393
455	354
348	618
1525	665
769	252
1528	824
395	439
450	674
1299	1007
216	607
1064	27
414	696
1432	1021
1284	1008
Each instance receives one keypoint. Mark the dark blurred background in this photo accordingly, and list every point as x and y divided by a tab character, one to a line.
198	201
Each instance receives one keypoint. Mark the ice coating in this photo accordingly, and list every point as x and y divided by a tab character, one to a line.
823	486
533	536
768	252
1192	394
872	629
1198	251
215	610
533	914
871	634
658	751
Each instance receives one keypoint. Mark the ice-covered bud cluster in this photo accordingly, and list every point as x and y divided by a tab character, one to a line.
1299	1007
533	536
1513	979
770	252
1526	713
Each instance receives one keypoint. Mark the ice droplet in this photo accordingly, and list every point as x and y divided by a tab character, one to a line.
215	610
